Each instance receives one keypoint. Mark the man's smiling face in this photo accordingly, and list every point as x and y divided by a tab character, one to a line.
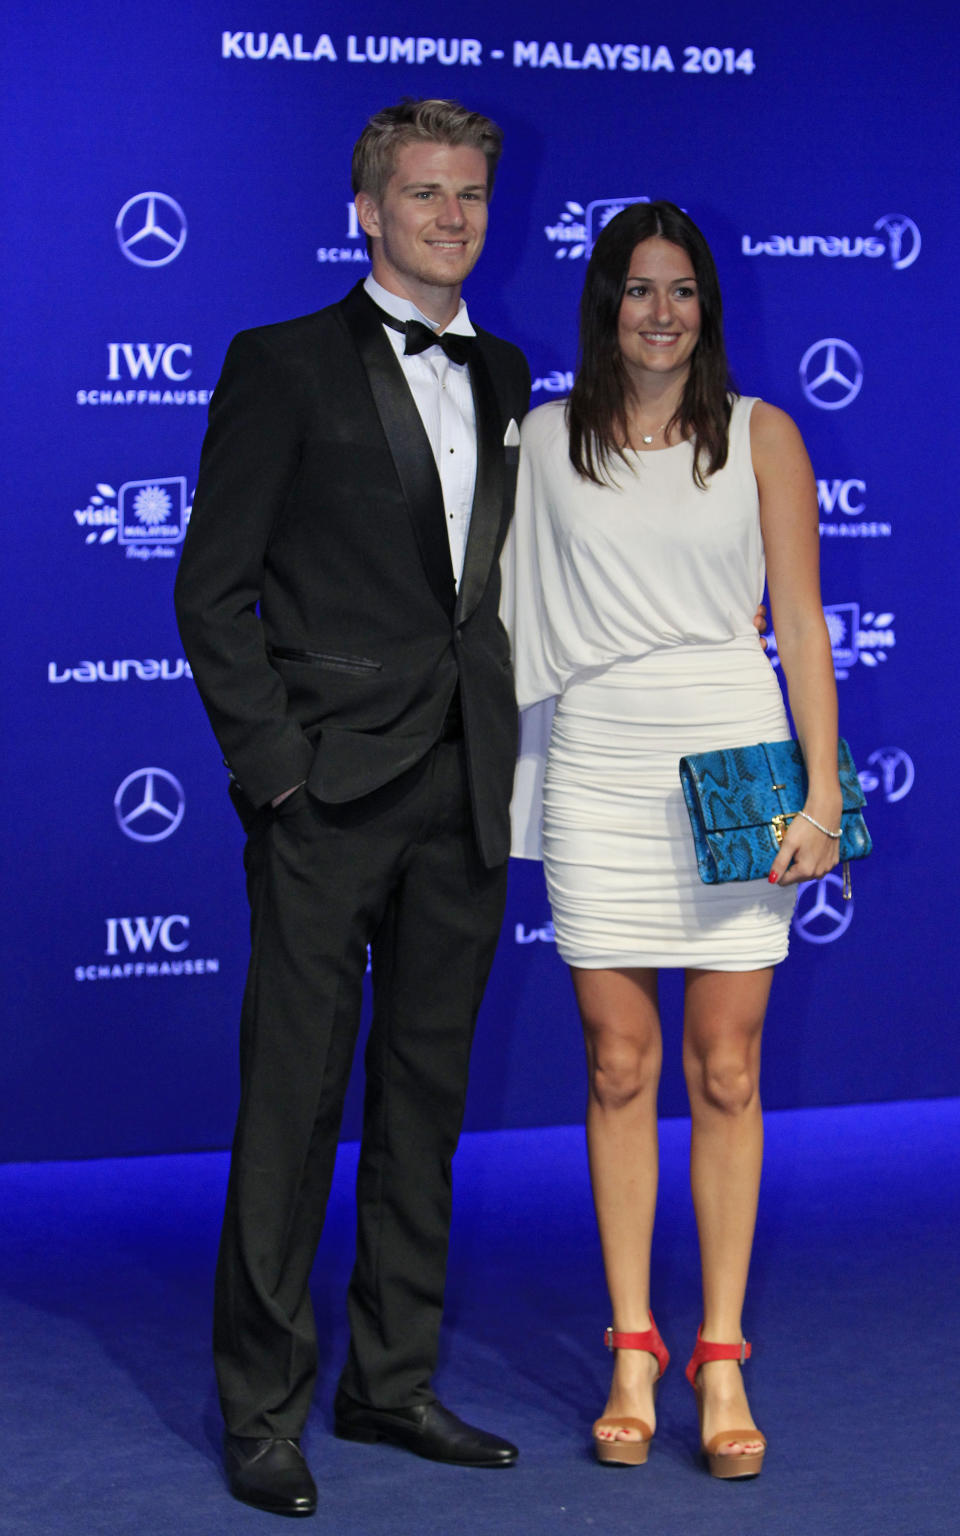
429	227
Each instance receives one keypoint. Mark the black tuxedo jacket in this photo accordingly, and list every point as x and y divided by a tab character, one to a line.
315	594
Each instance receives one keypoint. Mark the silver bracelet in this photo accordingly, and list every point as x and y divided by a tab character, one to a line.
825	830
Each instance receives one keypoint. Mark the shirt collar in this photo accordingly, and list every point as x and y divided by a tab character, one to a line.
405	309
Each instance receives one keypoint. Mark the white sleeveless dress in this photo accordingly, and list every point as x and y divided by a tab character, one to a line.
630	609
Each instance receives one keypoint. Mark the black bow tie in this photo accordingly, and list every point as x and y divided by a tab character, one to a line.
419	337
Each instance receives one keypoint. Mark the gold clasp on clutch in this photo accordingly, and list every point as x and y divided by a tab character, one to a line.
780	823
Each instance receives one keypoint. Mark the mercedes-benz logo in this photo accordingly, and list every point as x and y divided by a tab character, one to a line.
895	771
831	373
151	229
822	915
904	237
149	805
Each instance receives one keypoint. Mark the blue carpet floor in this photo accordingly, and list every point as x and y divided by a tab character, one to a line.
108	1420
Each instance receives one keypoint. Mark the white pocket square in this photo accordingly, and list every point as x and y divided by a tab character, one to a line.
511	438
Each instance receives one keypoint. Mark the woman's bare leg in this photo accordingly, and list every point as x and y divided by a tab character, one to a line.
723	1025
621	1027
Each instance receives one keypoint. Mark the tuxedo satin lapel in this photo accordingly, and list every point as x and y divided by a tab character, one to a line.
488	491
408	442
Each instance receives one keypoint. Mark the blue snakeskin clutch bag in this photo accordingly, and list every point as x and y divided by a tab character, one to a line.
741	799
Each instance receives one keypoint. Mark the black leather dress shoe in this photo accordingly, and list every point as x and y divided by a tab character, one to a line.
428	1430
270	1474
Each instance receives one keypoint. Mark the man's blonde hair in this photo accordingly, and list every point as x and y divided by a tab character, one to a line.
420	122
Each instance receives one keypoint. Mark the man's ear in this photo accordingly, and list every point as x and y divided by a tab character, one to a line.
368	213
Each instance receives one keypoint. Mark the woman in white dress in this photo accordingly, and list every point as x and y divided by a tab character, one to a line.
650	506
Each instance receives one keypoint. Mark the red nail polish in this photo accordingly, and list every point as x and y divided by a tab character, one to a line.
773	877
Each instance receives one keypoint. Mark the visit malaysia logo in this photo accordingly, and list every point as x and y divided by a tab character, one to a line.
855	636
575	232
148	517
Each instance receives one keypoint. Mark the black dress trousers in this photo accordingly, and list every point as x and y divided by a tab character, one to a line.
399	870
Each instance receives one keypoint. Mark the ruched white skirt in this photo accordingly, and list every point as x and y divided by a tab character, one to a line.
617	847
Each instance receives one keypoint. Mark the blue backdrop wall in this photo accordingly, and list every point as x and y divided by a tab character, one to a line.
176	172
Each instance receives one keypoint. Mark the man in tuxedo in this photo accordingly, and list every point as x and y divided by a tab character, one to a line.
337	598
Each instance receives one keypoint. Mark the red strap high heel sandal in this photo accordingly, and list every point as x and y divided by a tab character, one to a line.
724	1463
630	1453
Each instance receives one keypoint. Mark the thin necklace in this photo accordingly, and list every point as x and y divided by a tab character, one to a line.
649	437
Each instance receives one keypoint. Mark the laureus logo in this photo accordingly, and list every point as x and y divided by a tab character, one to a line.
903	239
890	770
902	243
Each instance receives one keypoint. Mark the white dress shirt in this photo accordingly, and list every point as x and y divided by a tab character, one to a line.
444	399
